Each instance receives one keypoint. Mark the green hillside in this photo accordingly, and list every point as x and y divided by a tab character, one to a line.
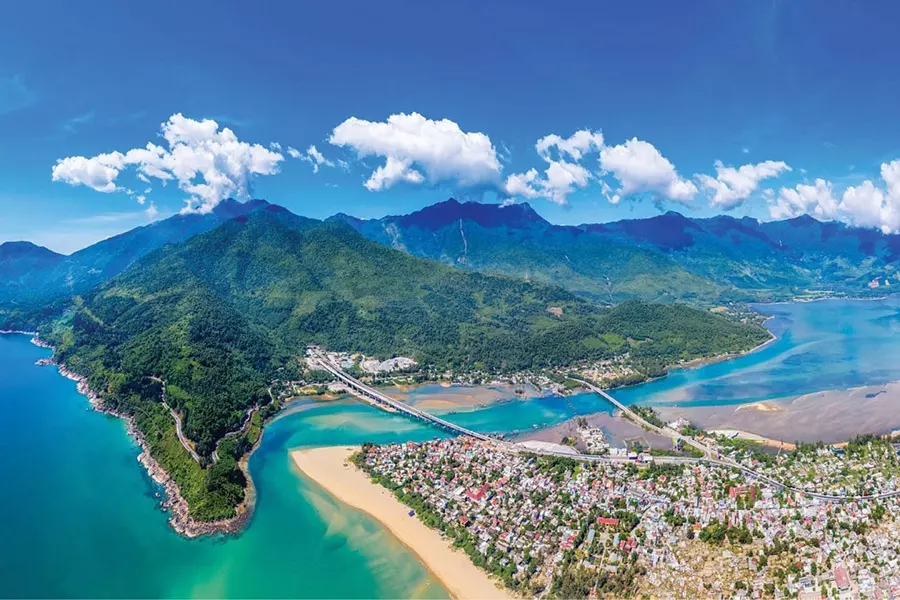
217	317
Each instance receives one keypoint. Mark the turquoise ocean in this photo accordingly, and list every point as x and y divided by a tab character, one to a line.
79	517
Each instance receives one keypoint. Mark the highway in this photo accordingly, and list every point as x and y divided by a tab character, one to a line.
706	450
377	397
710	456
181	437
245	425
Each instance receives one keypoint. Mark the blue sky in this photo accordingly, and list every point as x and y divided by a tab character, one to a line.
803	92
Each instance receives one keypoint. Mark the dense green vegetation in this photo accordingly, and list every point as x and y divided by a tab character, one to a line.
221	316
664	258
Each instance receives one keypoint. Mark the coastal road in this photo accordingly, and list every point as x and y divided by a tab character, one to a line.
710	456
240	431
181	437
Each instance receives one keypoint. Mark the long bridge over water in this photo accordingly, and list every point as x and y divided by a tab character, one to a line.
710	456
376	397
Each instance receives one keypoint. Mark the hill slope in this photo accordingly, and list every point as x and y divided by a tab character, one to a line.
32	276
515	241
217	316
664	258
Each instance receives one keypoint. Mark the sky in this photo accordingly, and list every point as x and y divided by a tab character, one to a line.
113	115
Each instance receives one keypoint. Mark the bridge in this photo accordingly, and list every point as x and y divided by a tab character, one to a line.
376	397
706	450
710	456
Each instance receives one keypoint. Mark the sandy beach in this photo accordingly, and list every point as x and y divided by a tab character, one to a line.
330	468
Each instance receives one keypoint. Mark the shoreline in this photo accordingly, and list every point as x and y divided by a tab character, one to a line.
328	467
173	502
702	362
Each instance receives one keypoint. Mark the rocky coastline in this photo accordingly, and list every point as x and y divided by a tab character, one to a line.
173	502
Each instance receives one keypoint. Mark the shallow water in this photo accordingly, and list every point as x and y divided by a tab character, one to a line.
81	518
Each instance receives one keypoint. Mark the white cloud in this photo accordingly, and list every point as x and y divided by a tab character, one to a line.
275	146
391	172
561	177
152	212
293	152
817	199
98	172
640	168
731	186
418	150
869	204
523	184
313	157
576	146
208	163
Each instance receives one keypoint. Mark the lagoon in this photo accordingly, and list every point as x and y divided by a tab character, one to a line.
81	517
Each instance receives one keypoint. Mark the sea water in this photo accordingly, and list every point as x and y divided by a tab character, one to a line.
80	517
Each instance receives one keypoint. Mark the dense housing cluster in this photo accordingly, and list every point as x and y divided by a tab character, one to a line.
558	527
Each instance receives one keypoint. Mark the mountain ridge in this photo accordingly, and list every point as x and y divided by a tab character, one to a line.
28	282
670	256
221	315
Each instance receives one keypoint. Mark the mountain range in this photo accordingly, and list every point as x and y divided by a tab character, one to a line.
32	275
669	257
665	258
221	315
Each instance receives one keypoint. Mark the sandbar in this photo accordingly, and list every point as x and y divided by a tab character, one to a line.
330	468
830	416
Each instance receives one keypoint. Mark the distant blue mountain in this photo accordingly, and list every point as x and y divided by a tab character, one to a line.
666	257
31	275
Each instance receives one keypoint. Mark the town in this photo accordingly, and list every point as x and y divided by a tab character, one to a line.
549	526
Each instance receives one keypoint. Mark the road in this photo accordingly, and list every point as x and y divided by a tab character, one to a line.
710	456
706	450
371	394
181	437
240	431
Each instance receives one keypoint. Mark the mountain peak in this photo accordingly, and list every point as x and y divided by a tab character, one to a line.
230	207
487	215
20	249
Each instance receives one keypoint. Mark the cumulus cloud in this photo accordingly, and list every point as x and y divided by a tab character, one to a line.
641	169
98	173
732	186
418	150
312	156
576	146
561	176
207	162
815	199
869	204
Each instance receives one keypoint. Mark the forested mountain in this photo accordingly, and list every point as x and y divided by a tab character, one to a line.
515	241
23	265
32	276
217	316
668	257
768	259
